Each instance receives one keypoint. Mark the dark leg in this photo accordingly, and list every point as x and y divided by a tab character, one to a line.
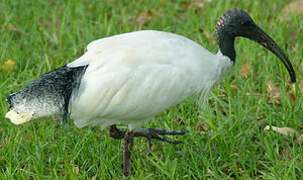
127	146
128	138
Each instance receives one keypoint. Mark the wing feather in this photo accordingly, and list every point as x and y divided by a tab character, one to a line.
129	95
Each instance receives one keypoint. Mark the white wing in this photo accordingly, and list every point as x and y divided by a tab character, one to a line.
134	76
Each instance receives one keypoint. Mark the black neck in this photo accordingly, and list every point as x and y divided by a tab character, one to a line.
226	44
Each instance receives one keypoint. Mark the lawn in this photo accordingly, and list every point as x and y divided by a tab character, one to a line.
226	138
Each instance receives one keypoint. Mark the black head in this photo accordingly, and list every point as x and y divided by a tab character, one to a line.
235	23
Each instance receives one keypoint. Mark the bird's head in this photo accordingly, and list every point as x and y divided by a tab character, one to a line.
237	23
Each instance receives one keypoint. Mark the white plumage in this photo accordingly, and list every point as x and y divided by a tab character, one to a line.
132	77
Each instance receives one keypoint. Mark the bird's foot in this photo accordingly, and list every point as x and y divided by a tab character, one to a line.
156	133
149	133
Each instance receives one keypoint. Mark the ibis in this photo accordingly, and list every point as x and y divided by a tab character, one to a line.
129	78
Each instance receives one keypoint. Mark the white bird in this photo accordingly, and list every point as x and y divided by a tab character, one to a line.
130	78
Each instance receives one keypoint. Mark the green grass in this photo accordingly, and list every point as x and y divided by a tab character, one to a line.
42	35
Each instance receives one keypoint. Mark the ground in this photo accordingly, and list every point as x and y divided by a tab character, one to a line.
226	138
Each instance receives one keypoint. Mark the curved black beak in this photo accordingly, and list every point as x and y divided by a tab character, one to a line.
265	40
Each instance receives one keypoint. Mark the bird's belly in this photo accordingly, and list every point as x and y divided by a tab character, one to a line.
129	97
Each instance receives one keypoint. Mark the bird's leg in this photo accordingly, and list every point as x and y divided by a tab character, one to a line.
128	138
127	146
